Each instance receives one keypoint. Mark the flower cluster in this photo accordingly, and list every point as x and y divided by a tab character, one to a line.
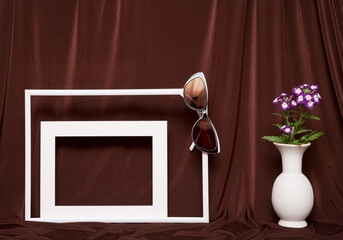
295	111
306	95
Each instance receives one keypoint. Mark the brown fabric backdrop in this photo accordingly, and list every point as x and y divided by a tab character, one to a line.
250	51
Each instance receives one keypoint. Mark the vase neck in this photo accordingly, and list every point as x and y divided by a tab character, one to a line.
291	164
292	157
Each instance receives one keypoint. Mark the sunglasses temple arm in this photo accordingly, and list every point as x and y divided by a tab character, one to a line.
191	148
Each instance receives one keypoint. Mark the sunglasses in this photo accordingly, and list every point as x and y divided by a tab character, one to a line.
195	95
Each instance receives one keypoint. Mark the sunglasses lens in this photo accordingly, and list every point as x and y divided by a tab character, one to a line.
204	135
195	94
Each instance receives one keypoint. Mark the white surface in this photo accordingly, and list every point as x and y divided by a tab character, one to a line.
156	129
292	194
104	92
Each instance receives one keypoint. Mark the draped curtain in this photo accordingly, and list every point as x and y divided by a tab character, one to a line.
250	51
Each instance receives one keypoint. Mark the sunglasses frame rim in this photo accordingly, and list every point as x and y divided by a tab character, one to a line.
203	79
204	113
217	148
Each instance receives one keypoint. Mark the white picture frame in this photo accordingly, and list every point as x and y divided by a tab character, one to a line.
88	215
155	129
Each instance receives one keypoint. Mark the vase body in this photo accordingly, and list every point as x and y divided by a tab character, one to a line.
292	193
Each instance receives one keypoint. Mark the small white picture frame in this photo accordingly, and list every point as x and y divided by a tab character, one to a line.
49	213
155	129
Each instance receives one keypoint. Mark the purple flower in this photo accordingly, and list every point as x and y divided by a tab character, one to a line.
300	99
297	91
314	87
316	98
286	129
283	97
308	97
304	85
310	105
284	106
293	103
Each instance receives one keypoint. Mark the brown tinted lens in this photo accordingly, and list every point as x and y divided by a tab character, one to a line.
203	135
195	93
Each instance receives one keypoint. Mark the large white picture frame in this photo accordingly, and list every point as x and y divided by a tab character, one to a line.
49	212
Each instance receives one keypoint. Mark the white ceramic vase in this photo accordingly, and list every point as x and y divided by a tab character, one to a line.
292	194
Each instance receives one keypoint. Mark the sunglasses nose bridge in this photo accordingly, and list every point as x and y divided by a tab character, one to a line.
202	113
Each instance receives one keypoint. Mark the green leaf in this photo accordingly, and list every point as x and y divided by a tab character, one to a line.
273	139
296	142
277	114
312	117
315	136
301	131
305	137
310	137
